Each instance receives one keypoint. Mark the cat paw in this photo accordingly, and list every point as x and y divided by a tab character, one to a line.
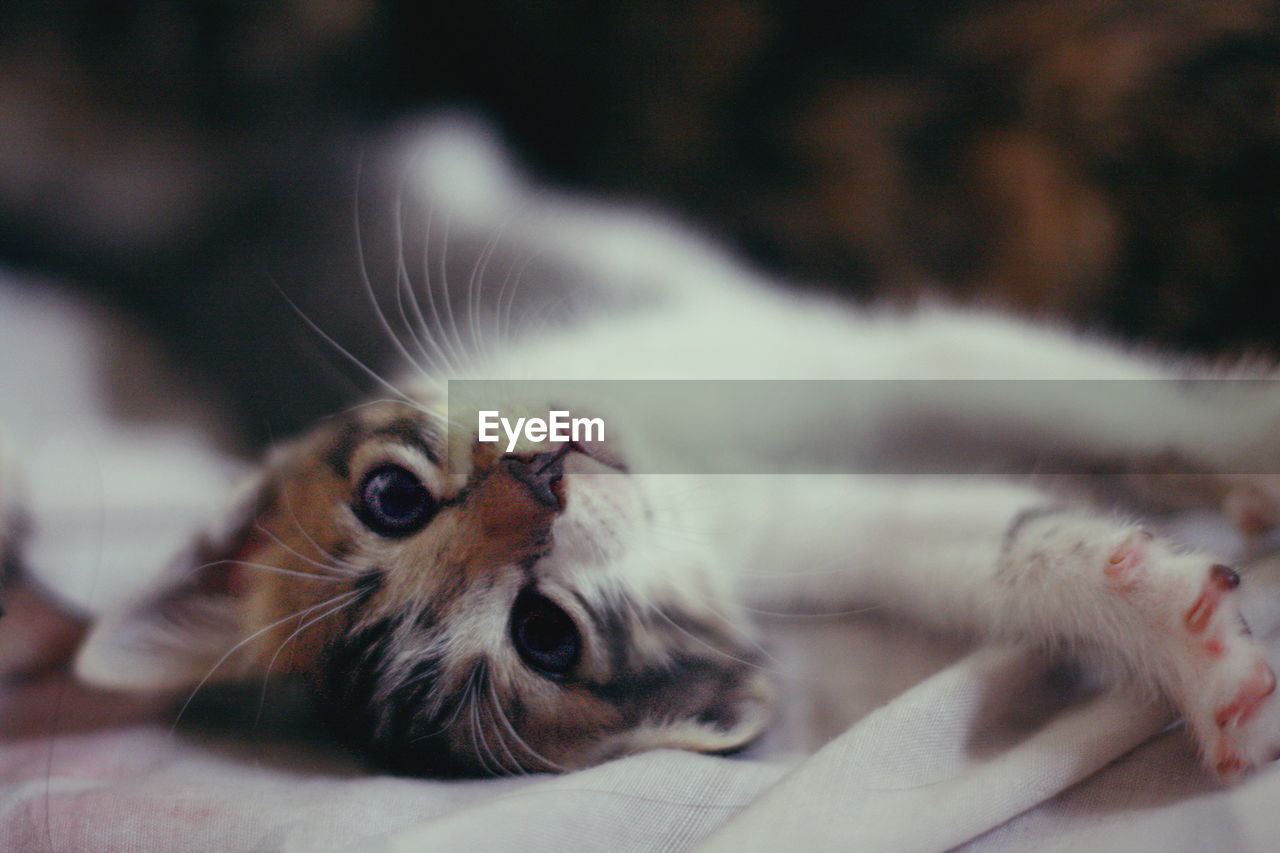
1235	718
1226	688
1212	668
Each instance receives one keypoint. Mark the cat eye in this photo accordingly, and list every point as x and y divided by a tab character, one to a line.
544	635
393	502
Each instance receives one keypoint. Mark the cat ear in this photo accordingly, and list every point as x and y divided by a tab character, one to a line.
718	716
175	635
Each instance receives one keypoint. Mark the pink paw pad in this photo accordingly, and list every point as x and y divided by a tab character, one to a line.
1228	762
1251	696
1124	566
1221	581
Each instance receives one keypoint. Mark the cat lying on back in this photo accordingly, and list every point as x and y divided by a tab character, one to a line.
460	608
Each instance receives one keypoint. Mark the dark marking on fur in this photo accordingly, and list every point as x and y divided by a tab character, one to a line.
369	583
339	454
413	433
426	619
341	550
702	687
613	627
406	722
1022	519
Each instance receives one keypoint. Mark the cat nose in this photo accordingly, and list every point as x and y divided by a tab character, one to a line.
541	473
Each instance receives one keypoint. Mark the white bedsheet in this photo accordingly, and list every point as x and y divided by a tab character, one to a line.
953	761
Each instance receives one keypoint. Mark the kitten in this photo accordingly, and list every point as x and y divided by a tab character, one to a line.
458	606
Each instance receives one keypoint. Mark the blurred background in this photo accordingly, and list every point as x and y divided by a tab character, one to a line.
1112	163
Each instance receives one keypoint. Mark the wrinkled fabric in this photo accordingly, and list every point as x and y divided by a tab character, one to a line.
915	774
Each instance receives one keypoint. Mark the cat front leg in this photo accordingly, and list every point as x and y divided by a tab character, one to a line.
1171	615
1009	561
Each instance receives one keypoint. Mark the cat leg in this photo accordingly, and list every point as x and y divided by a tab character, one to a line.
1173	616
1007	561
1120	407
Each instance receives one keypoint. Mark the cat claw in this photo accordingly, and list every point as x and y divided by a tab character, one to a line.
1218	675
1227	686
1251	696
1222	580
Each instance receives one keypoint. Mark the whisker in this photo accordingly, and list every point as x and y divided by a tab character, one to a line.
477	721
246	641
457	712
335	562
455	360
327	338
403	280
478	741
266	567
699	640
657	608
506	721
515	768
475	284
374	302
505	331
381	401
444	288
417	332
310	561
475	744
457	709
448	299
262	698
404	286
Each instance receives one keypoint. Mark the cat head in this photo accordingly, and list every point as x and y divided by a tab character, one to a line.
455	608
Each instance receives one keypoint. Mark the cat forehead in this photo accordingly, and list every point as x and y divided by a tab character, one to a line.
418	428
